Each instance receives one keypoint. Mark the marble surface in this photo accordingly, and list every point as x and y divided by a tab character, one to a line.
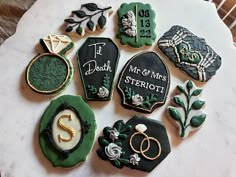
208	152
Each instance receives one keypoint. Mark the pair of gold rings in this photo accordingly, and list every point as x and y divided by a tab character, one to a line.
143	150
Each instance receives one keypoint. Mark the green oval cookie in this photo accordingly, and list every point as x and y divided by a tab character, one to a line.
67	131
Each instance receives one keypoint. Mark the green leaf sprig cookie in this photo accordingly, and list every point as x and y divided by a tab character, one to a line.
187	113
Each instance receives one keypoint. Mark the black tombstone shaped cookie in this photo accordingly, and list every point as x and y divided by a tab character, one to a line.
190	53
140	144
97	60
144	82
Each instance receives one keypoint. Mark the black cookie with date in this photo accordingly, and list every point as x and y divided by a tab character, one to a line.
144	82
190	53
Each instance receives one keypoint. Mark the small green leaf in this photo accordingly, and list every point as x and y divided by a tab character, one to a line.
79	13
180	88
90	25
122	136
102	141
175	114
117	163
118	125
190	85
102	21
178	101
198	104
79	30
106	131
197	92
69	20
102	154
91	6
124	161
197	121
119	144
69	29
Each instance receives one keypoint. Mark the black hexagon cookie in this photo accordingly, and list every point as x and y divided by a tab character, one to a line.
140	143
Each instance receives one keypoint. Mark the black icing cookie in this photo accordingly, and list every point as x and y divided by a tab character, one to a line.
190	53
144	82
97	61
141	143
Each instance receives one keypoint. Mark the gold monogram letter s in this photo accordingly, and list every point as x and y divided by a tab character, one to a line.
66	128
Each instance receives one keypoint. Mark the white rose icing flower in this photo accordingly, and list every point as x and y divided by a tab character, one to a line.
113	151
134	159
103	92
114	134
137	100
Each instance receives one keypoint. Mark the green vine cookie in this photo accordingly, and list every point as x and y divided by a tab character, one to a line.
97	60
49	73
187	113
67	131
136	26
140	143
144	82
87	18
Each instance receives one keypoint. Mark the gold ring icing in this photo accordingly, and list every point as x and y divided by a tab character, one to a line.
140	130
143	151
131	144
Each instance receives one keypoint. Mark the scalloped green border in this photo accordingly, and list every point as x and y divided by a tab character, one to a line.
85	114
125	39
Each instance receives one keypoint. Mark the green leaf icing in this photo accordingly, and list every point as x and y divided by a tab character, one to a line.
188	114
197	121
89	15
175	114
198	104
178	101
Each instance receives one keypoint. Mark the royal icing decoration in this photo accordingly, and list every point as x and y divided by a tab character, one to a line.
144	82
187	113
190	53
67	131
49	73
87	18
141	144
136	26
98	59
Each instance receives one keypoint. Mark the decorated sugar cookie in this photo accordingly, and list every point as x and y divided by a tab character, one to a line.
66	131
87	18
141	143
187	113
144	82
136	26
190	53
49	73
98	59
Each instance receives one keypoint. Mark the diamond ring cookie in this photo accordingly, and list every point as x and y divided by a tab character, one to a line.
87	18
140	143
144	82
190	53
97	60
67	131
49	73
136	26
187	113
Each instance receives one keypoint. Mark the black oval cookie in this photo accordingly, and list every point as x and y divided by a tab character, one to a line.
141	143
144	82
